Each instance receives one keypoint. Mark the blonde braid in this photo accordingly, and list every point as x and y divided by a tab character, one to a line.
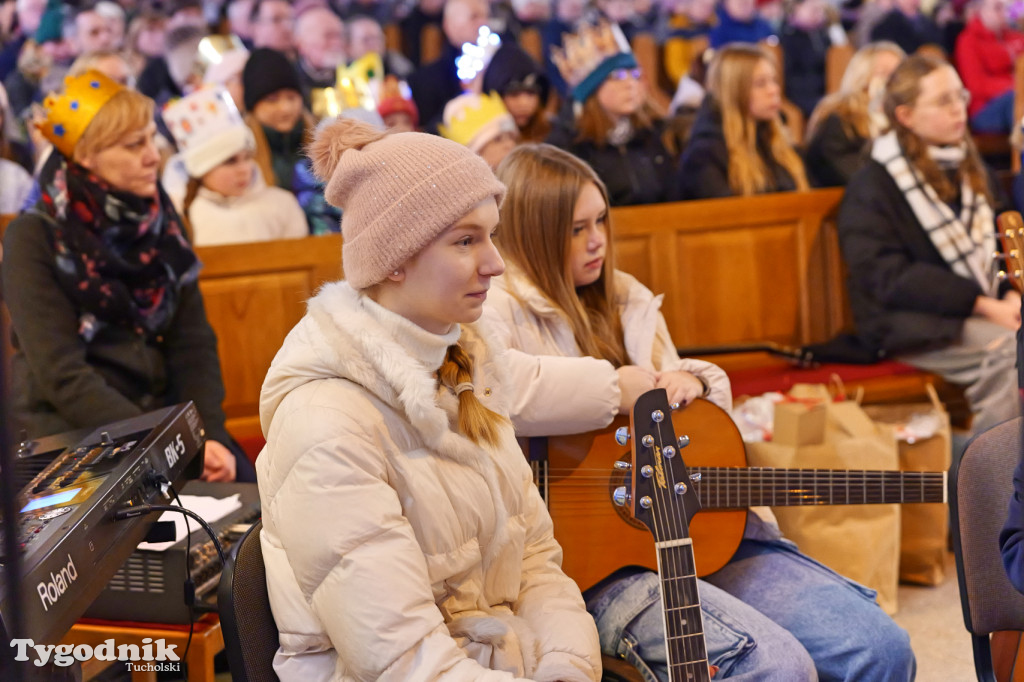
476	422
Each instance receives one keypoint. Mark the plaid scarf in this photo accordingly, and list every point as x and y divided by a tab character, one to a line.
966	241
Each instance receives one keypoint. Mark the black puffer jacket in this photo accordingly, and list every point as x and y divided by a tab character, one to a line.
638	172
834	153
704	168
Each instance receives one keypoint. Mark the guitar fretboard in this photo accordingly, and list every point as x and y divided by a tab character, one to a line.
684	628
736	488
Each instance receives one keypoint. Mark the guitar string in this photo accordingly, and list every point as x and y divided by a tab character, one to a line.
688	640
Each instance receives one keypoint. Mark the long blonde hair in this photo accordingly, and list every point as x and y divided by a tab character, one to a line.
851	102
730	80
903	89
536	222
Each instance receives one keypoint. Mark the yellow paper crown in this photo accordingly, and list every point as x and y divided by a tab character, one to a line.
468	120
356	88
584	51
68	114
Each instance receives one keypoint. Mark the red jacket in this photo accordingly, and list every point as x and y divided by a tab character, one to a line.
985	61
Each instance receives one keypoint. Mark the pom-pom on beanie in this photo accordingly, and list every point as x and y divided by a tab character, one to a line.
398	192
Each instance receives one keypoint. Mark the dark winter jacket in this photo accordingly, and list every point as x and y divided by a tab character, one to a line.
910	34
730	30
904	295
61	382
638	172
704	168
834	154
804	65
434	85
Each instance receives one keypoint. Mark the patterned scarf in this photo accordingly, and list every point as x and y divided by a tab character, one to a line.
965	241
121	258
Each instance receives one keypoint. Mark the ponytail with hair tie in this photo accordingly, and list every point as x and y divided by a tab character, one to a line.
478	423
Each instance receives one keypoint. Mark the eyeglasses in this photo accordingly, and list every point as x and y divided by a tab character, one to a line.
624	74
949	100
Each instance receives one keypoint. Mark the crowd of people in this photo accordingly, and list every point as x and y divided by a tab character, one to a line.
133	131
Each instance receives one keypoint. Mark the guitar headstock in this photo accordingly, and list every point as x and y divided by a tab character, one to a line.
1011	239
661	494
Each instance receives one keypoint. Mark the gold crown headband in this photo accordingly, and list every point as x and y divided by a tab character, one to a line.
587	56
68	114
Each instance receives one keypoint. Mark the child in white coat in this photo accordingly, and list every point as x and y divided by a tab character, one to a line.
225	199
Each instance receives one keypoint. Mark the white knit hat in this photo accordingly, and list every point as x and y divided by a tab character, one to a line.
208	129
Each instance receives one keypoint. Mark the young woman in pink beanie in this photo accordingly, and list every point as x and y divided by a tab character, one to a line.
403	535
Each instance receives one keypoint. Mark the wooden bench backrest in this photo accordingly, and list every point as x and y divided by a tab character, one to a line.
648	56
732	270
837	58
254	295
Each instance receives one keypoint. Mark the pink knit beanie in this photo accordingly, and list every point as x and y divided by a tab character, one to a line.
397	192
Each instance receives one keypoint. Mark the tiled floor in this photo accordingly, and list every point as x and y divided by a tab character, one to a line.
935	622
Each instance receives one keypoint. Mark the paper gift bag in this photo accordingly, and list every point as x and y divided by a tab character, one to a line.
858	541
925	527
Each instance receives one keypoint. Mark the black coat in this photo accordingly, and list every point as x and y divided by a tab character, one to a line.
704	168
637	172
61	382
804	65
910	34
904	295
434	85
834	154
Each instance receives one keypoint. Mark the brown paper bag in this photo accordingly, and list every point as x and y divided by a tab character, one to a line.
858	541
925	527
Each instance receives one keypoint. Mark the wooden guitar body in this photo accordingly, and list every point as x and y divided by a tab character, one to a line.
596	536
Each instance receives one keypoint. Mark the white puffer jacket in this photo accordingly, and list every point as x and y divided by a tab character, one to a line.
397	549
555	391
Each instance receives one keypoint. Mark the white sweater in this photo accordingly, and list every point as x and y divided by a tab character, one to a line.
261	214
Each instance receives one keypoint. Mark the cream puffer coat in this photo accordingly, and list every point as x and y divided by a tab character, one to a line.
396	549
555	391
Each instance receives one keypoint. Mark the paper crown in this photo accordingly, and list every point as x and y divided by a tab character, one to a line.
357	87
589	55
208	129
213	49
474	120
68	114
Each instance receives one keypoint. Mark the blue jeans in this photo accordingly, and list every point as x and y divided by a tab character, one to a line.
771	613
996	116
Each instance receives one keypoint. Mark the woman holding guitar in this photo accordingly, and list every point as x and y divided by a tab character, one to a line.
585	340
403	536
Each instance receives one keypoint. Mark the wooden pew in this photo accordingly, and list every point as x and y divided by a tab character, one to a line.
254	295
837	58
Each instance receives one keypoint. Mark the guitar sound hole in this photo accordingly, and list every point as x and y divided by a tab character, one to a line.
620	478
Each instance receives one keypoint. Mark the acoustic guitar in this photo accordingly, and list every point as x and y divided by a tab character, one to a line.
578	476
1011	238
661	496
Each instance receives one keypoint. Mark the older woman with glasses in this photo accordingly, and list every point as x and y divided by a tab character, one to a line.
616	129
917	231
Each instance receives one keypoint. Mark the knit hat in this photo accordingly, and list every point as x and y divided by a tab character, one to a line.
51	25
208	129
590	55
511	69
397	191
474	120
266	72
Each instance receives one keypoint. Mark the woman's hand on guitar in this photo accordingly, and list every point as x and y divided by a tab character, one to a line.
633	382
682	387
1004	312
218	463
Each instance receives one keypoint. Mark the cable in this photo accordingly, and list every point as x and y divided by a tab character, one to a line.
143	509
189	589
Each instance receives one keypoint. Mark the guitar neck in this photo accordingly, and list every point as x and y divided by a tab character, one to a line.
686	652
736	487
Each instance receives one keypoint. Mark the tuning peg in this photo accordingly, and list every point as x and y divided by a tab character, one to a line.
622	435
683	441
680	488
674	406
647	471
695	478
1001	275
668	451
620	497
645	502
623	466
658	416
648	441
